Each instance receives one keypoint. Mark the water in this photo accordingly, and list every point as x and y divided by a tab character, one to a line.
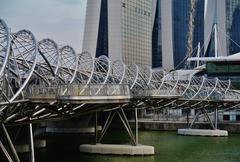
169	147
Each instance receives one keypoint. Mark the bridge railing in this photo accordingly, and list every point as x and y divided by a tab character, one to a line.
94	90
41	91
232	95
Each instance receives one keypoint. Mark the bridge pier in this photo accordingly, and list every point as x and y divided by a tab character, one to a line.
11	156
96	127
12	148
32	154
216	118
136	125
134	149
121	114
5	152
204	132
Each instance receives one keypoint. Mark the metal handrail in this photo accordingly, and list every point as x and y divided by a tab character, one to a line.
42	91
93	90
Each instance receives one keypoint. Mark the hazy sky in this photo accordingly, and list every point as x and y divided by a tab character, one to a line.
60	20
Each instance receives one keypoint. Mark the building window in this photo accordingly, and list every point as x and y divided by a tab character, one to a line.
181	9
237	117
226	117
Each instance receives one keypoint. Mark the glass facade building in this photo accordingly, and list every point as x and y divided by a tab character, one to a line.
180	21
154	32
181	9
198	35
137	31
233	25
102	40
225	70
180	29
157	38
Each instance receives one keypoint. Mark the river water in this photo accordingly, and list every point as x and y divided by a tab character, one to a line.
169	147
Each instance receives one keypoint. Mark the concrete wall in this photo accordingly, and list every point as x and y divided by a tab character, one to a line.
167	35
115	29
154	6
215	13
173	126
91	26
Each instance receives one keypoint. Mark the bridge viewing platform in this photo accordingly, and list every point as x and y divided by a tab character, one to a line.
79	93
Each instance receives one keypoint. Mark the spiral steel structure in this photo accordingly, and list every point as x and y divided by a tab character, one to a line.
40	81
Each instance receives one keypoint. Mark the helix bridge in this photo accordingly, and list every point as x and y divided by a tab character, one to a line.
43	81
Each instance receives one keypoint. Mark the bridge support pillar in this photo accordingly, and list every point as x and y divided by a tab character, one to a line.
216	118
12	148
123	118
5	152
13	152
32	155
204	132
136	125
134	149
96	127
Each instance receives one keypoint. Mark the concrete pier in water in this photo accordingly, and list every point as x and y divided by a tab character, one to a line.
203	132
117	149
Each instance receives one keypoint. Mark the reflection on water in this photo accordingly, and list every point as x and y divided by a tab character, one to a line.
169	147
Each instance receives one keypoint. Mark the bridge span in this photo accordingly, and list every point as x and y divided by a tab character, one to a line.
43	81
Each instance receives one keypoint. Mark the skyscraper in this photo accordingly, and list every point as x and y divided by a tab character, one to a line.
154	32
181	12
215	13
157	38
171	29
233	25
120	29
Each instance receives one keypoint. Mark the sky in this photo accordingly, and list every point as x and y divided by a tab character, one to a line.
60	20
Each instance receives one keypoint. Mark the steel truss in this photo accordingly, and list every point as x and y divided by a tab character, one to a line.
36	76
41	70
